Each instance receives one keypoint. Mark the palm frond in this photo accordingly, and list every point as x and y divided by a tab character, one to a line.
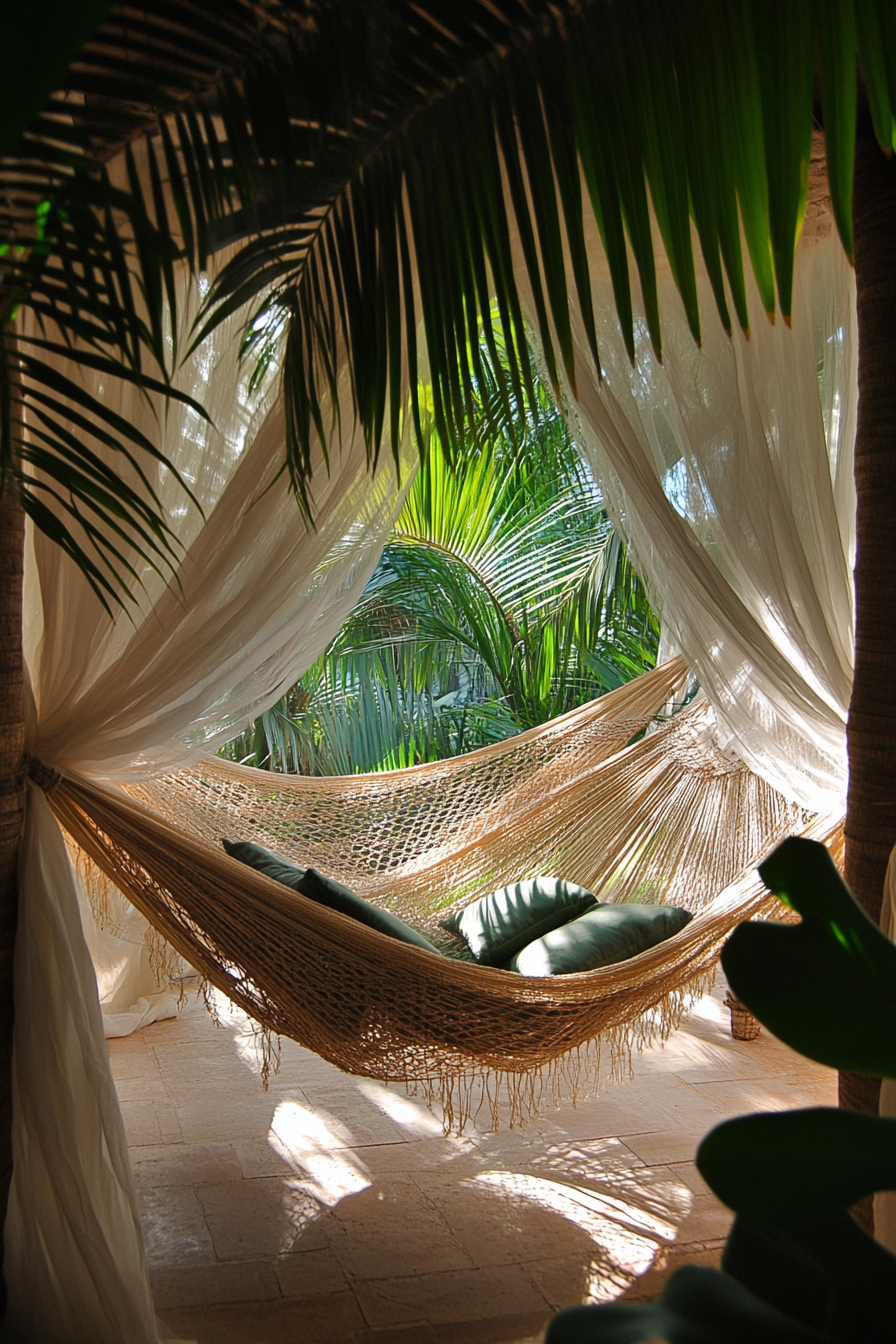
699	111
379	158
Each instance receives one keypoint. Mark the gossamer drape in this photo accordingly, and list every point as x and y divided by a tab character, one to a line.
257	596
729	470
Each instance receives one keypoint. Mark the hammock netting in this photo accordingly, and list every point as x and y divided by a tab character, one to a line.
665	818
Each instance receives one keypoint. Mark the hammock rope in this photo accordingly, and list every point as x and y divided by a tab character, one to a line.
667	818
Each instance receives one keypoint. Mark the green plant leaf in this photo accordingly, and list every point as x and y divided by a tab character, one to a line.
789	1167
825	986
828	1273
835	27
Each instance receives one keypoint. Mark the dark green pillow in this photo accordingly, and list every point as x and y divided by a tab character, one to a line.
263	861
325	891
333	894
602	937
497	926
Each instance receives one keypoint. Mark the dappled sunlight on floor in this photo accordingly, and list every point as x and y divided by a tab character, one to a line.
332	1208
625	1236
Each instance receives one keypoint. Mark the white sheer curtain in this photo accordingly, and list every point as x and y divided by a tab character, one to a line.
729	470
258	595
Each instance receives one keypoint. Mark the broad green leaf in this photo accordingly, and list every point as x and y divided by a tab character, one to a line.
740	103
828	1273
785	51
825	986
876	35
837	55
789	1167
655	99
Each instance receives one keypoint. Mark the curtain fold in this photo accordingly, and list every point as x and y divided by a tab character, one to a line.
256	596
728	468
74	1254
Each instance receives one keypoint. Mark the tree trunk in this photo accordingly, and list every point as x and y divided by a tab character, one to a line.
871	730
12	806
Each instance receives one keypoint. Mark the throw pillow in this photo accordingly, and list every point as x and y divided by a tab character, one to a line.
325	891
602	937
497	926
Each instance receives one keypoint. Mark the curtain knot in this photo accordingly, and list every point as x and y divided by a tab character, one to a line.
43	776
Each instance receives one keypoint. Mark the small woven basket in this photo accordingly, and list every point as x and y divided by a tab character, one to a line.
744	1026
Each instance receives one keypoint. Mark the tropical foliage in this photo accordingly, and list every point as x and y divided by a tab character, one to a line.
503	598
797	1268
309	129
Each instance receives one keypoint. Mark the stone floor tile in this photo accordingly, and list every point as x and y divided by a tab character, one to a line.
141	1123
687	1173
175	1233
310	1273
761	1094
184	1164
570	1158
707	1220
686	1104
562	1281
330	1318
526	1329
177	1054
133	1058
450	1155
257	1157
371	1252
662	1146
434	1298
498	1226
211	1115
605	1118
349	1115
724	1069
648	1286
208	1285
256	1219
168	1120
144	1088
207	1073
396	1201
192	1023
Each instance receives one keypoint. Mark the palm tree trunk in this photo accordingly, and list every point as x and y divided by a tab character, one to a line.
12	807
871	730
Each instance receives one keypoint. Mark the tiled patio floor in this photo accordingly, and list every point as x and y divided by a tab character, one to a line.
333	1209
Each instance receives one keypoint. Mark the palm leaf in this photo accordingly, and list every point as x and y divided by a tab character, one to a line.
611	89
380	158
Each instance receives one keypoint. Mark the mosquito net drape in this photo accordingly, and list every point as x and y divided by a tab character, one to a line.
257	596
726	468
729	469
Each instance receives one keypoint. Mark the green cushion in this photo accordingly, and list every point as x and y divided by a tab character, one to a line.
603	936
497	926
325	891
263	861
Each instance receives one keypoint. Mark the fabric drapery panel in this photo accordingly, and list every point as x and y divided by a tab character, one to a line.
256	597
729	470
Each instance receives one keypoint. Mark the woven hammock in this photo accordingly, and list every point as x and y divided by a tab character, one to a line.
666	818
